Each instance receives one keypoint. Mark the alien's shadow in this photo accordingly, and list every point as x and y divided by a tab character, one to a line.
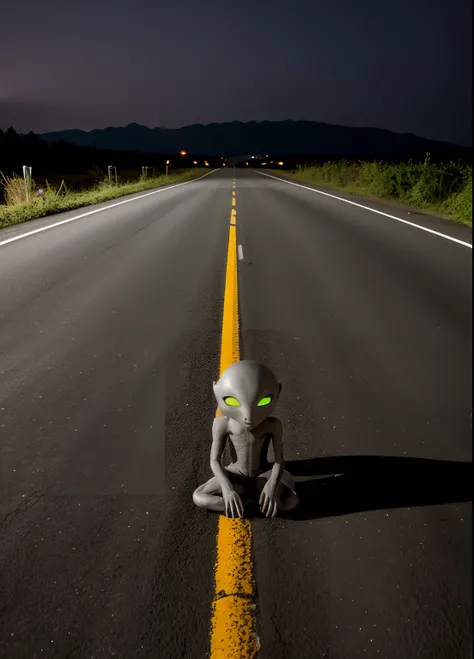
341	485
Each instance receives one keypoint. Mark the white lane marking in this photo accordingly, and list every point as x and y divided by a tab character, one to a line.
240	252
367	208
99	210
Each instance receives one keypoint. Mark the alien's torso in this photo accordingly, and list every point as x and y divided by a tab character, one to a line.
249	447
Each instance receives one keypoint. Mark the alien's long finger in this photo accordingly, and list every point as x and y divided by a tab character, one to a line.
237	508
226	506
272	509
266	504
275	508
232	507
269	506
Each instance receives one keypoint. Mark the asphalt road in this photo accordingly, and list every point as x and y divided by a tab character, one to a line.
109	342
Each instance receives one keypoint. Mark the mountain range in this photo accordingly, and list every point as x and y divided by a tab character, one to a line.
238	138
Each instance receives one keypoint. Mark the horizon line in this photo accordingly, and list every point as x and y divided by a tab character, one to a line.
252	121
237	121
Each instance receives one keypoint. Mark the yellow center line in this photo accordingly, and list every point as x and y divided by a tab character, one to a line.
233	201
233	609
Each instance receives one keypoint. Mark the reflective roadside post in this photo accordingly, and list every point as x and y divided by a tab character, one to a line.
109	169
167	166
27	176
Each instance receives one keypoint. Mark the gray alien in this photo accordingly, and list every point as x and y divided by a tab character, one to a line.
246	394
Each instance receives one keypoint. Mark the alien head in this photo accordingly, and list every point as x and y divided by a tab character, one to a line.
247	392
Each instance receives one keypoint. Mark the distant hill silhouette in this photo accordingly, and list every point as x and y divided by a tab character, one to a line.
237	138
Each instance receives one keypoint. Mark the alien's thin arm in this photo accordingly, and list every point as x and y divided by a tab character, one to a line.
277	441
219	439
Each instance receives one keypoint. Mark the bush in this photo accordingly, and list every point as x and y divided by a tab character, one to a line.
459	204
433	186
60	199
14	190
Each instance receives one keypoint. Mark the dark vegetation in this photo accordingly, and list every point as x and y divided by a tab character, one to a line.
82	167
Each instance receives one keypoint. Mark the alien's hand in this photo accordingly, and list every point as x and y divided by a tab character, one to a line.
268	503
233	503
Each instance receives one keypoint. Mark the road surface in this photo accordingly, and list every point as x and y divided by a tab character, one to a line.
109	342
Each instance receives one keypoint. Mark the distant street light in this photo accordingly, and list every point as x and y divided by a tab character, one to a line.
279	163
195	162
182	153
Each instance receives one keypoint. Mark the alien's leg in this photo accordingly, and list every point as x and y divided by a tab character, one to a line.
209	495
285	493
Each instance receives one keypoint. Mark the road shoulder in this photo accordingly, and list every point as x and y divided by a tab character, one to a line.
390	207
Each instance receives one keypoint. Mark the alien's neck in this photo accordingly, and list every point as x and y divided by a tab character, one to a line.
237	428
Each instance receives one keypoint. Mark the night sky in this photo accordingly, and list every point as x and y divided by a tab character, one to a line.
403	65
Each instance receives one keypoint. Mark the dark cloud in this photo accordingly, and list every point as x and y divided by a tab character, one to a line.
404	66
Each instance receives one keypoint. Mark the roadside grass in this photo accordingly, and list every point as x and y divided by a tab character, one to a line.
57	199
443	189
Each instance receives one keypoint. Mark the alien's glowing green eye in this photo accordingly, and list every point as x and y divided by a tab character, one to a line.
231	401
264	401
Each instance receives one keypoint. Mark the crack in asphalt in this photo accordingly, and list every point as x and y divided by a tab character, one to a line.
30	502
223	595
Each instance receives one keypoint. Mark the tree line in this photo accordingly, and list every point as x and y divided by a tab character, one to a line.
62	158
